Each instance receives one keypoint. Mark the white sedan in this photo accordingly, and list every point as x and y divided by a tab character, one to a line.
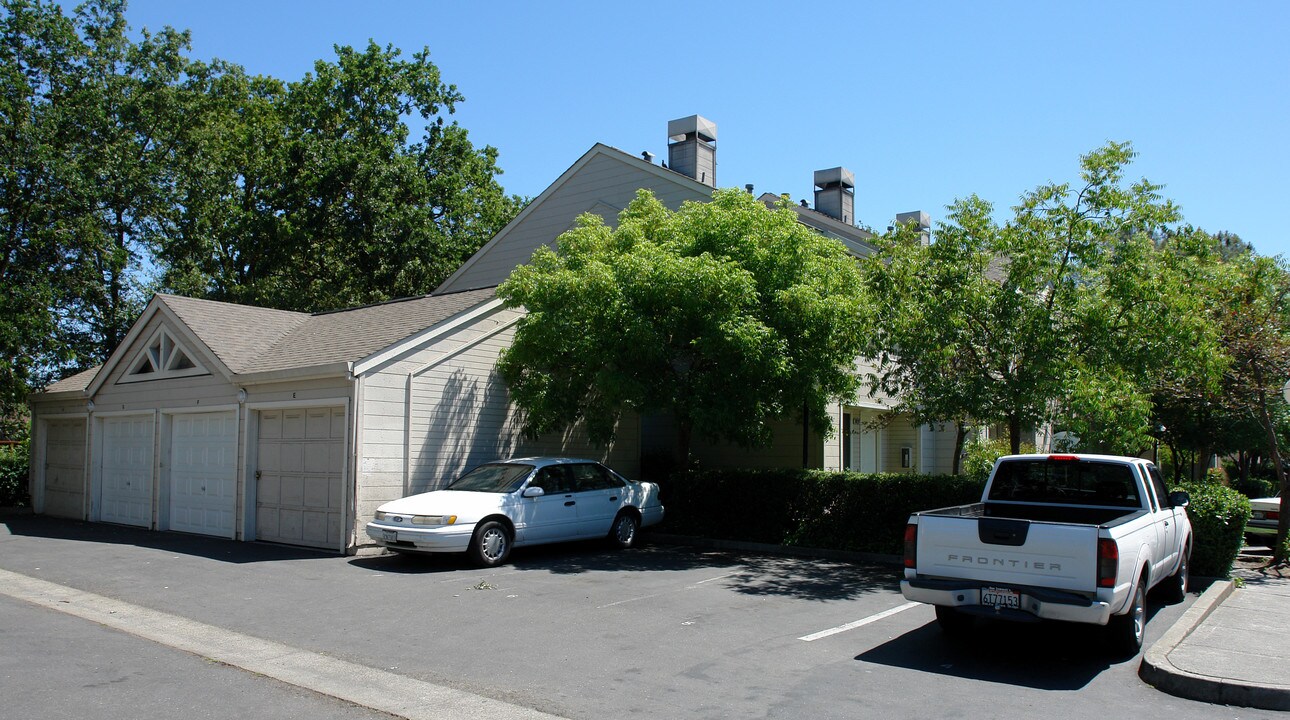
1265	513
526	501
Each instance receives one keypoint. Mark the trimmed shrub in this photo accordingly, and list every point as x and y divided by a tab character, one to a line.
1218	515
13	476
810	508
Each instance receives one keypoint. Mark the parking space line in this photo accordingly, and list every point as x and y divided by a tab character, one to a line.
647	597
859	623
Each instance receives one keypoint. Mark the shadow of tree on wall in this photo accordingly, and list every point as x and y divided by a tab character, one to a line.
469	421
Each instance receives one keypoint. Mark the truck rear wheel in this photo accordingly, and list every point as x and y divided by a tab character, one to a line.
953	622
1125	632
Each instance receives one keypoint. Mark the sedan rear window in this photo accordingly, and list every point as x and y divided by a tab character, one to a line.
493	478
1065	482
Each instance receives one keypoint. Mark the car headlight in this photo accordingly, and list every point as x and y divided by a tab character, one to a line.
382	515
434	519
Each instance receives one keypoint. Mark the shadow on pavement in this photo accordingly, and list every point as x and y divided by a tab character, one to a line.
746	573
212	548
1042	656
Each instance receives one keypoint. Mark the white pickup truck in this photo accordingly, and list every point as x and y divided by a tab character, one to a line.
1080	538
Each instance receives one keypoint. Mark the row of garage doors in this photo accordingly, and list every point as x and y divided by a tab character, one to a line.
298	475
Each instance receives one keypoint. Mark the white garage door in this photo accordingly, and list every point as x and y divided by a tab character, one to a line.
203	473
299	491
65	468
126	470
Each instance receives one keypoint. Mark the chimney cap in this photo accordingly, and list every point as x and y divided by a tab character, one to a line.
922	219
701	127
648	156
837	175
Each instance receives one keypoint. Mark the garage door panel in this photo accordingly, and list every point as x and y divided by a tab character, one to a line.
65	468
126	470
299	499
203	473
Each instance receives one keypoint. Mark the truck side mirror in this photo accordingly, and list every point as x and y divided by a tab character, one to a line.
1178	498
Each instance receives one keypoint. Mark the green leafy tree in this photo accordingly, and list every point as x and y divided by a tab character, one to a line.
348	210
726	315
1255	328
38	46
1063	312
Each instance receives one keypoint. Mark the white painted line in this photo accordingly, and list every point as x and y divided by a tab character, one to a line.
858	623
387	692
624	602
716	578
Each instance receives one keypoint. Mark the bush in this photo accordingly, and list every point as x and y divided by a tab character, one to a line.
13	476
1255	487
839	511
1218	515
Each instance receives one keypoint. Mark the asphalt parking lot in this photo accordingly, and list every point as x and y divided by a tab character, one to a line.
580	631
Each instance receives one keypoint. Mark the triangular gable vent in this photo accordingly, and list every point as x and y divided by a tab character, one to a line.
162	358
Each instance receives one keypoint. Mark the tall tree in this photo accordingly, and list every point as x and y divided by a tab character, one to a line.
1256	336
725	315
38	50
1056	311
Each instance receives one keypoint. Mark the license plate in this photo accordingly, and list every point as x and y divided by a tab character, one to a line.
390	536
1000	598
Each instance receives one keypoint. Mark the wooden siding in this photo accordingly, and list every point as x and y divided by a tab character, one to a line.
460	416
605	182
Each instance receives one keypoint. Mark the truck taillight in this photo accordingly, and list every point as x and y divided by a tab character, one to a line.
1108	562
911	545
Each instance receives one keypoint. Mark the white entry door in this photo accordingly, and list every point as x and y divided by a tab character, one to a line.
299	490
126	470
203	473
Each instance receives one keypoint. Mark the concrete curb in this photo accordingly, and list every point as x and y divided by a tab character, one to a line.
1158	671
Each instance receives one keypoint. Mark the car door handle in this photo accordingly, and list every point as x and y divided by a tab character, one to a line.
613	499
571	503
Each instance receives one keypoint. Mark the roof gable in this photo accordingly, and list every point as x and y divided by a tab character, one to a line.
602	181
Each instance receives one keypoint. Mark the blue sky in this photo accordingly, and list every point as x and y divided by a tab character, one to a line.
924	102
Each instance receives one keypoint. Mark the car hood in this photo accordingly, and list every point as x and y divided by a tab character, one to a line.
467	506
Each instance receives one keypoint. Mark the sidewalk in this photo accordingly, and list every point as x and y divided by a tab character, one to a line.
1231	647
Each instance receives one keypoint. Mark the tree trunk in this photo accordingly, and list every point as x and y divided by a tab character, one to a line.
684	434
960	435
1014	433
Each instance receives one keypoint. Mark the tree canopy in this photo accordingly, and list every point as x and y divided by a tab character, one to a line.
130	167
1063	313
726	315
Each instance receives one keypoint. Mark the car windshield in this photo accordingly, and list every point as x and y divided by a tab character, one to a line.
493	478
1065	482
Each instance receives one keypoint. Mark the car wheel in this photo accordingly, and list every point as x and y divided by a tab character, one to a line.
1125	632
623	532
953	621
490	545
1175	586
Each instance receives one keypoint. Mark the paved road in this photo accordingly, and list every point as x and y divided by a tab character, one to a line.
55	667
581	632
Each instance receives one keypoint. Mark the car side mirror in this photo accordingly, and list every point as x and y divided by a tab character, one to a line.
1178	498
533	492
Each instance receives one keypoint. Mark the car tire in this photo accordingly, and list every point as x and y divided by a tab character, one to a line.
622	533
1175	586
490	545
1125	632
953	622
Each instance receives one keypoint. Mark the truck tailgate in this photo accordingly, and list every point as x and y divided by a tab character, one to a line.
1013	552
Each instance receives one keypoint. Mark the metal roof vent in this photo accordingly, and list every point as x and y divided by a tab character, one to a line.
690	148
835	194
919	218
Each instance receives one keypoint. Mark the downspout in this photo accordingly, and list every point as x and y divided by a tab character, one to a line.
351	483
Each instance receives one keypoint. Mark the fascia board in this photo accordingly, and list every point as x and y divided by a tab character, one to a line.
342	369
123	349
462	318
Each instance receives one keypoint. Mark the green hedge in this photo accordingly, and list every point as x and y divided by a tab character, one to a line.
13	476
1218	515
806	508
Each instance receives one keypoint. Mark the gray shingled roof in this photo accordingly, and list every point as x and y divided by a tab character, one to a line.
251	339
351	335
73	383
237	334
